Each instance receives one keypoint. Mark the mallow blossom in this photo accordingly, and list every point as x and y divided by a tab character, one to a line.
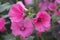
58	22
2	24
52	6
23	29
42	21
57	11
58	1
28	2
16	12
47	5
43	5
21	25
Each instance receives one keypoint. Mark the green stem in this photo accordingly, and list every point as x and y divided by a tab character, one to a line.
18	38
37	37
42	38
16	0
36	4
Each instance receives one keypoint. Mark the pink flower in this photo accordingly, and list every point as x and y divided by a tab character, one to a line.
20	3
42	21
58	1
57	11
43	6
16	12
59	22
2	24
23	28
28	2
52	6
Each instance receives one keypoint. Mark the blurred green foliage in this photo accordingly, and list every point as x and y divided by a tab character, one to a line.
4	9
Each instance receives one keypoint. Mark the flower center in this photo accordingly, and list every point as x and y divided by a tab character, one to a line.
22	28
39	20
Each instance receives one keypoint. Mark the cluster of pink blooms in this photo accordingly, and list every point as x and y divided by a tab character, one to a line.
22	25
2	24
47	5
27	2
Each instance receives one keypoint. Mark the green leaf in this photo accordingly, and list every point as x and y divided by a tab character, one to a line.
18	38
55	18
9	37
4	7
0	3
5	16
30	38
56	32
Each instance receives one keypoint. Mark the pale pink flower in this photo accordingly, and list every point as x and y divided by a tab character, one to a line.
58	22
43	6
58	1
57	11
42	21
52	6
20	3
23	28
28	2
16	12
2	24
47	5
